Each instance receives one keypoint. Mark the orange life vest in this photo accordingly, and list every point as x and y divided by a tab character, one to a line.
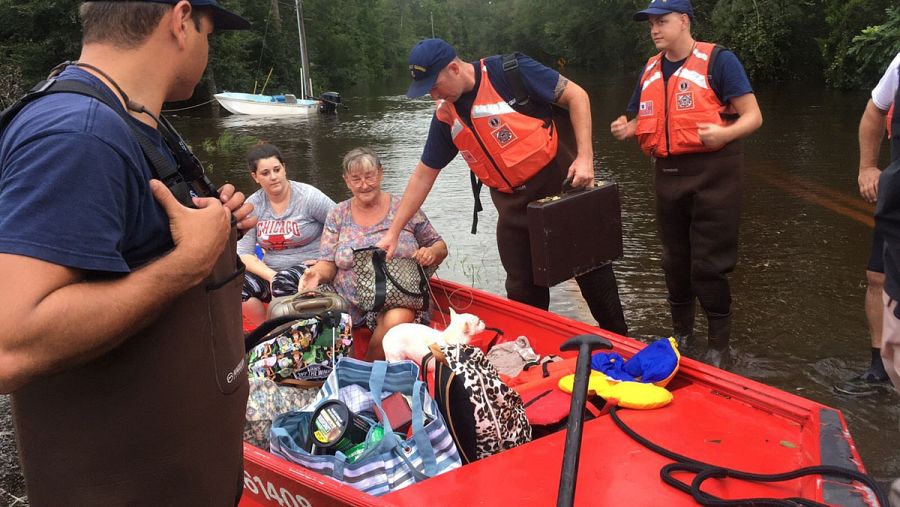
504	148
668	115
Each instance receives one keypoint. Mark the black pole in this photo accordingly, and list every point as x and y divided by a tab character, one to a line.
584	343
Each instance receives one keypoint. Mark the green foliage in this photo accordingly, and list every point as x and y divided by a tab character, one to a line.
760	31
44	33
11	85
875	47
592	34
847	42
847	19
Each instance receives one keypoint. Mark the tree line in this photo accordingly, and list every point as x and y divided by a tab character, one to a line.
845	43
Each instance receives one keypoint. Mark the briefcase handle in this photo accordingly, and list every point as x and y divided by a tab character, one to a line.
567	187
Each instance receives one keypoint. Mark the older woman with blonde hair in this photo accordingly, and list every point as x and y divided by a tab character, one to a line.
360	222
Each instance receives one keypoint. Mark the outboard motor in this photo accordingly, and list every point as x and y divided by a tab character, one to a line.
329	102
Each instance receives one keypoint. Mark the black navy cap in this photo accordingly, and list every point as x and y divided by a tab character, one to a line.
222	19
426	60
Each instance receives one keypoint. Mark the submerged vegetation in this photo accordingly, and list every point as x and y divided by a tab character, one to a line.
228	145
846	43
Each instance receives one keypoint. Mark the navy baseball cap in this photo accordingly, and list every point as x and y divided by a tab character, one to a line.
663	7
426	60
222	19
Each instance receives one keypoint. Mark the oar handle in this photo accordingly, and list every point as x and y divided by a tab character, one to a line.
585	344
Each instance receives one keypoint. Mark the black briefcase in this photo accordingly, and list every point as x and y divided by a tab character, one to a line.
574	232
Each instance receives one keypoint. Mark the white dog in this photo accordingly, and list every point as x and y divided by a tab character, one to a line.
411	341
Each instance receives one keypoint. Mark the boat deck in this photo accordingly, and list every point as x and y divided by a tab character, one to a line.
715	417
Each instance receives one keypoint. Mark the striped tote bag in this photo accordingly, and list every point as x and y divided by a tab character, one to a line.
393	462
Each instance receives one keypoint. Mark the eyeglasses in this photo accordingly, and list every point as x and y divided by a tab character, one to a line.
357	180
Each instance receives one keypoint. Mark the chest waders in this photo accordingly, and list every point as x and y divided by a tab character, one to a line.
158	420
698	217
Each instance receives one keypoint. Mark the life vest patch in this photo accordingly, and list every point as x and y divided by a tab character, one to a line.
504	135
467	156
646	108
684	101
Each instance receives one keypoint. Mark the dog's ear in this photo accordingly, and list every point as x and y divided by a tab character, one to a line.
452	313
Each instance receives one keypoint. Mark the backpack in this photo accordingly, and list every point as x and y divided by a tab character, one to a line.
484	415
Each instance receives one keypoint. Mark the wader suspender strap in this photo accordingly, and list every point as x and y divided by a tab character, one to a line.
522	101
162	168
476	191
709	68
712	84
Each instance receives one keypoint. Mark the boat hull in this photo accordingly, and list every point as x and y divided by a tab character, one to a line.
716	416
245	103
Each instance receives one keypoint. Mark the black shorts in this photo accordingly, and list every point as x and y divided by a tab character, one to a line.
876	256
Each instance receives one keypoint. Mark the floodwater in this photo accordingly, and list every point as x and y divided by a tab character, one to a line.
799	285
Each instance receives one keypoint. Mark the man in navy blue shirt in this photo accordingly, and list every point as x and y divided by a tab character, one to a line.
512	151
122	346
693	103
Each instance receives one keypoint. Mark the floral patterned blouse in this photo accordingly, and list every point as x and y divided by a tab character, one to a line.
342	235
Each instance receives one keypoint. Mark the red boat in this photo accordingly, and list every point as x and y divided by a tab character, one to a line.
716	417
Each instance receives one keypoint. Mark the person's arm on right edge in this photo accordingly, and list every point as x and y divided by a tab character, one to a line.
417	190
871	134
55	319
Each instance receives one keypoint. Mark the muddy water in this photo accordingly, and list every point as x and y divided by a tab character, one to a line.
799	284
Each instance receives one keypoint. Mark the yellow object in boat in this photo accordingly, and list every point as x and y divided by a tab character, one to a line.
628	394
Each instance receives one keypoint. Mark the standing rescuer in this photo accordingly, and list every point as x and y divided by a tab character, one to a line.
513	153
693	104
887	215
878	115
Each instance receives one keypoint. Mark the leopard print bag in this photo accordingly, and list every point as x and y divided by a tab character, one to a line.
484	415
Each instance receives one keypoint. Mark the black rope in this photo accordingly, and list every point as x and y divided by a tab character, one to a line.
706	471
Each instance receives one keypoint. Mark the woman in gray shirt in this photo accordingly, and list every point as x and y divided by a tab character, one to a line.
291	217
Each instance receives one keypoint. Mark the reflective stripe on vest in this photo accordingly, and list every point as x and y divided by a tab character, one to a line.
668	115
504	148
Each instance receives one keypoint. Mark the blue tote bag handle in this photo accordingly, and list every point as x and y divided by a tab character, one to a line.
391	443
420	436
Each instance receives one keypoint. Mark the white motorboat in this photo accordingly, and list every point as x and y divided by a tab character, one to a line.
285	104
281	105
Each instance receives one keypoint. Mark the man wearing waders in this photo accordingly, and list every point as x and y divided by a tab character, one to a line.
120	294
693	104
513	153
871	134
